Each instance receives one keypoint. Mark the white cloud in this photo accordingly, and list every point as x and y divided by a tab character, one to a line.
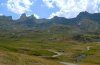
36	16
71	8
19	6
1	14
49	3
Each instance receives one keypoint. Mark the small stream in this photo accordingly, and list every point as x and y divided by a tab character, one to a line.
80	57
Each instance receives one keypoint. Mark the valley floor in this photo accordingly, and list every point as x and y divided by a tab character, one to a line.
41	51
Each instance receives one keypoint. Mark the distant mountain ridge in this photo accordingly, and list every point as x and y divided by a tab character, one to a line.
83	23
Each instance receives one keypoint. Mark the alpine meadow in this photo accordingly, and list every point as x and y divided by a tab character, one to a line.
49	32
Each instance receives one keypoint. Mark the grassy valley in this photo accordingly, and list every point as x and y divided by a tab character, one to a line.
56	41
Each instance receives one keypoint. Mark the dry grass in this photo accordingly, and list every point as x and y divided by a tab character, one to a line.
7	58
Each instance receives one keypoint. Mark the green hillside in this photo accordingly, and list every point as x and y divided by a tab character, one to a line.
56	41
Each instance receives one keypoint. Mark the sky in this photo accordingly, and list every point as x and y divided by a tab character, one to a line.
48	8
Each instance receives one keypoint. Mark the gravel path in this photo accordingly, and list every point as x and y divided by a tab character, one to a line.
66	63
59	54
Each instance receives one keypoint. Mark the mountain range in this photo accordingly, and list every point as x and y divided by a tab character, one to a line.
84	23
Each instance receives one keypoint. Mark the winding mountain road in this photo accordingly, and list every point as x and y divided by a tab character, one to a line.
59	54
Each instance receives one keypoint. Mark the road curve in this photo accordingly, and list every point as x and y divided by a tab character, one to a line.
59	54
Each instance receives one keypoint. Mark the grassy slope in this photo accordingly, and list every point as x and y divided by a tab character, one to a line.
10	58
33	45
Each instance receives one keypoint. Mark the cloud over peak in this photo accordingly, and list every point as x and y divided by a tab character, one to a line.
61	8
19	6
71	8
